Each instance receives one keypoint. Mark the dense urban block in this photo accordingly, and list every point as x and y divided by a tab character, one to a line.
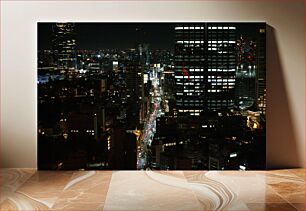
169	96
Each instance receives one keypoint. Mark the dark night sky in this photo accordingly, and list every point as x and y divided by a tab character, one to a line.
95	36
113	35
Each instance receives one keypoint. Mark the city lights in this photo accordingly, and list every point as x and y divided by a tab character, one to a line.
176	96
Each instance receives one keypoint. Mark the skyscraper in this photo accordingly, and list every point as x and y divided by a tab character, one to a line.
134	90
189	64
221	66
64	47
261	65
205	66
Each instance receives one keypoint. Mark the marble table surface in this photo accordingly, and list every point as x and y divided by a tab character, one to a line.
29	189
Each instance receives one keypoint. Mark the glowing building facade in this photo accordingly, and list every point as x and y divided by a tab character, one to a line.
64	47
261	65
189	64
205	67
221	66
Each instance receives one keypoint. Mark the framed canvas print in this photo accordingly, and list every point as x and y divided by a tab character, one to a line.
161	96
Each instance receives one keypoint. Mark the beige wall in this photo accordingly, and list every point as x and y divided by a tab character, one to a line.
285	63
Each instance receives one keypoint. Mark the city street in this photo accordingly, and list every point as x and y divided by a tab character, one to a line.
150	124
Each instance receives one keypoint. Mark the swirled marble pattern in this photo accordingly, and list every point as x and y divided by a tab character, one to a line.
12	179
28	189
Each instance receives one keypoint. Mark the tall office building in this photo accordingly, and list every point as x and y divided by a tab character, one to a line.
221	66
134	92
64	47
205	67
189	67
261	65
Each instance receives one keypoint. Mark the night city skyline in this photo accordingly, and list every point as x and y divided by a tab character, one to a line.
95	36
168	96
